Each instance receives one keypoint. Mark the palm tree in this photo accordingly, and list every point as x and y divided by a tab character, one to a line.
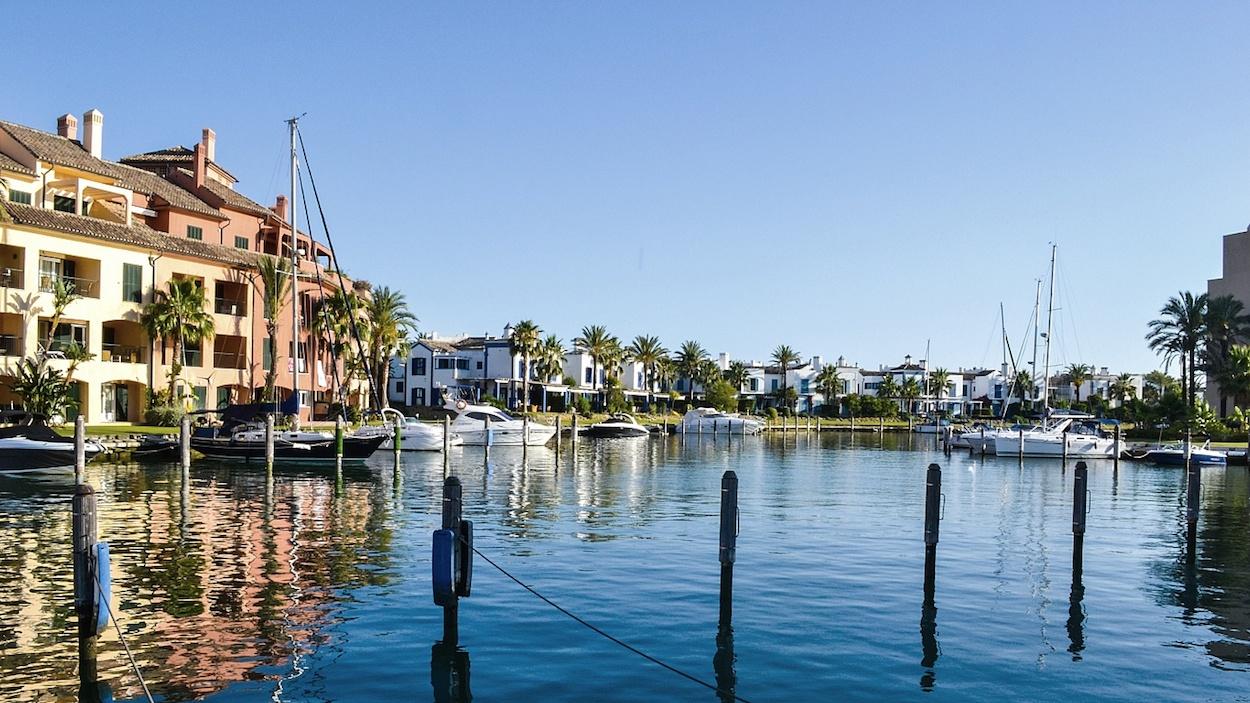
595	342
888	388
647	351
909	391
690	357
1023	383
938	380
275	288
178	314
44	391
784	357
389	324
63	294
1077	375
549	361
1157	385
665	374
1177	331
525	340
1226	325
829	384
737	375
1234	377
1123	389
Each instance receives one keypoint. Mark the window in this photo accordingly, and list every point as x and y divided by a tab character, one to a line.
399	387
443	363
67	333
223	396
998	390
755	384
520	369
462	364
418	396
194	232
266	363
64	203
418	367
805	386
132	283
194	354
774	386
242	242
19	196
479	366
302	356
590	375
201	397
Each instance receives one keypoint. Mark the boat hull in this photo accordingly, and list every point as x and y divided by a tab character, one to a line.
618	431
1078	447
539	435
19	460
1177	458
355	449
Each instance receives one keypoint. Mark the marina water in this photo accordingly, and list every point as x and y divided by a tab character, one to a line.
312	587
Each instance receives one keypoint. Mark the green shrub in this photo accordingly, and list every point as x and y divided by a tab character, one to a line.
582	405
772	413
163	415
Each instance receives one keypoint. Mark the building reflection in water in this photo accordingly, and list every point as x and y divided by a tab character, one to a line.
218	580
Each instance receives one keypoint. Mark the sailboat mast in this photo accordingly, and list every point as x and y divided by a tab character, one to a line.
1050	318
294	270
1037	328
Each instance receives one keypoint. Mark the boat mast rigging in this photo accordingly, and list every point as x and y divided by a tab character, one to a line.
1050	318
294	218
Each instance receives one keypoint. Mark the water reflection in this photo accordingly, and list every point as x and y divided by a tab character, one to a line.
449	673
1076	608
724	664
930	650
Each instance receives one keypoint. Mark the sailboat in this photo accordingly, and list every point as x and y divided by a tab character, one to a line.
241	434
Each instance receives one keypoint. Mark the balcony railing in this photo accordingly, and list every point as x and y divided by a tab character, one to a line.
229	360
10	345
225	306
11	278
121	354
82	286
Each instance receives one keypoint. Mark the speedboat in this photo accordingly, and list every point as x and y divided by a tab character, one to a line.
1061	439
1174	455
414	435
709	420
488	426
618	425
156	449
932	427
36	447
241	435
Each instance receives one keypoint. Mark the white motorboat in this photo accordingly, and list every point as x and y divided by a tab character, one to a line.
618	425
37	447
1062	439
1174	455
414	435
484	425
981	440
711	420
932	427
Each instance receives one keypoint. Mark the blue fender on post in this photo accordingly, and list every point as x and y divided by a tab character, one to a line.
104	590
443	564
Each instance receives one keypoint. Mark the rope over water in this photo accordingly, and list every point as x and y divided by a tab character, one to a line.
600	632
133	664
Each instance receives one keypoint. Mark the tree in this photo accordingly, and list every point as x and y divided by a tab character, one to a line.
1022	382
549	361
337	315
736	375
1226	325
595	342
888	389
1177	331
1234	376
1077	375
275	288
829	384
1123	389
690	357
388	326
44	390
647	351
909	391
63	294
1157	385
178	314
525	340
665	374
938	380
722	395
785	357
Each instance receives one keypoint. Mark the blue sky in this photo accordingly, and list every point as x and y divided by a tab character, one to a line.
847	178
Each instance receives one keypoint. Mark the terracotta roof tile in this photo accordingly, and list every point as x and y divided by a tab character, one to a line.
174	154
150	184
138	235
8	164
232	198
56	149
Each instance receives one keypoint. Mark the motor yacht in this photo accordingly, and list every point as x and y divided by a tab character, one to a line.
709	420
485	425
618	425
37	447
1174	455
414	435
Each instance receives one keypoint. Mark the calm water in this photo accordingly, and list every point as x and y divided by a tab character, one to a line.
233	588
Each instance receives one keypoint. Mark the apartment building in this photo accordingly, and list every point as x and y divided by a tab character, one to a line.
118	231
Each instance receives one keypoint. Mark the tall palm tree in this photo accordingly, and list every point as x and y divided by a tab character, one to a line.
1023	383
1226	325
1077	375
595	342
888	388
64	293
939	379
690	357
389	325
1177	331
665	374
1157	385
1123	389
829	384
647	351
549	361
736	375
909	391
785	357
525	340
1234	377
275	290
178	314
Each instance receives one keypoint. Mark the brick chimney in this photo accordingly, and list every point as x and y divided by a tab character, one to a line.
199	166
67	126
93	132
209	139
280	207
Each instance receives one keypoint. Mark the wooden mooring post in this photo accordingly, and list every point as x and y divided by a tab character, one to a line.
397	441
728	543
1020	448
85	578
1193	498
446	435
928	612
184	443
269	442
452	559
558	438
338	443
80	448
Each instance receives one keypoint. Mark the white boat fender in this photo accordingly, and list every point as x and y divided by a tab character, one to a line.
443	564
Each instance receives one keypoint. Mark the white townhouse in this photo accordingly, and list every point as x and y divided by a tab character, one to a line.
1098	384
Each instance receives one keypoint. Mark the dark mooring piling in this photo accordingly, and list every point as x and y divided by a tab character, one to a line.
449	673
85	579
728	543
452	561
1080	511
928	611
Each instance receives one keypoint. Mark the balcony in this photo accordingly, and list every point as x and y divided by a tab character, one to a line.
222	306
230	298
229	352
121	354
12	278
85	287
10	345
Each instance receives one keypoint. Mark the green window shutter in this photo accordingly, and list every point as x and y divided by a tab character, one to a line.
242	243
19	196
194	232
132	283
